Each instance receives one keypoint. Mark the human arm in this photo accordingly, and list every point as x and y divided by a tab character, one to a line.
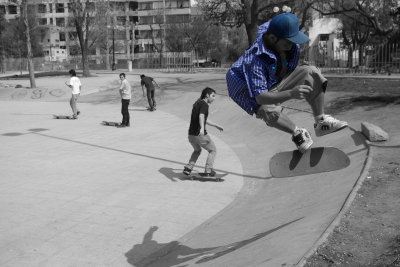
219	127
201	121
154	81
298	92
257	81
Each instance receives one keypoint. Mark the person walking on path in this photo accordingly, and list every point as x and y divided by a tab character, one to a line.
197	133
267	75
76	86
126	95
149	83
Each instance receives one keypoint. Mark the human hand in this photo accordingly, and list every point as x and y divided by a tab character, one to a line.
220	128
300	91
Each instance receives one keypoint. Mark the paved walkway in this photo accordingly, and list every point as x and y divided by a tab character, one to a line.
76	193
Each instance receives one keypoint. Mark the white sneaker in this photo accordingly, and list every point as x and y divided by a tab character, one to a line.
302	139
328	125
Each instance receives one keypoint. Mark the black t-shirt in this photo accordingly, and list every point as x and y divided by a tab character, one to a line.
199	107
148	82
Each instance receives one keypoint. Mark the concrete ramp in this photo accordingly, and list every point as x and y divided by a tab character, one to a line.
273	221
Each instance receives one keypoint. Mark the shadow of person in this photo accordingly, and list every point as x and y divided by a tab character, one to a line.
171	173
149	250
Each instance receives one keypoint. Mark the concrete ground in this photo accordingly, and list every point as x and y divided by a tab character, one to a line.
77	193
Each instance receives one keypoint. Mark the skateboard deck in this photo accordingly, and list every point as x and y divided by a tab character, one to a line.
63	117
111	123
201	176
314	160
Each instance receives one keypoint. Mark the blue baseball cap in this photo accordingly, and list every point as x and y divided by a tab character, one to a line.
286	25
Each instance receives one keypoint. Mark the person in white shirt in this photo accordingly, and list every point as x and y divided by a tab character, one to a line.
126	94
76	86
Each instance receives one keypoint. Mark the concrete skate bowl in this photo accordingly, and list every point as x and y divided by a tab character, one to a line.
272	221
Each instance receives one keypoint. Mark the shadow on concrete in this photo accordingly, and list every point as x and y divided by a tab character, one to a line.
176	174
149	251
37	130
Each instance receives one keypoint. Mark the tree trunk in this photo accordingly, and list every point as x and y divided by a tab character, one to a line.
251	30
29	46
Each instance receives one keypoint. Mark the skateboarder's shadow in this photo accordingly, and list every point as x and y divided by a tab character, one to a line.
144	254
171	174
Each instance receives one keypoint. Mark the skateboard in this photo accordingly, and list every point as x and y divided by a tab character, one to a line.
110	123
63	117
201	176
314	160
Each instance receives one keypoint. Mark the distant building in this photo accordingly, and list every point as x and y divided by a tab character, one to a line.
131	22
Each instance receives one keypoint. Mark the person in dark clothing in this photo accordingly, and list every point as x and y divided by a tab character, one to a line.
149	83
197	133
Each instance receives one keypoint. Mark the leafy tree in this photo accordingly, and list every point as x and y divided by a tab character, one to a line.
250	13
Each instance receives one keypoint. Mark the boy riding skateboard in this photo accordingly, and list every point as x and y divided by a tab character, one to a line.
197	133
267	75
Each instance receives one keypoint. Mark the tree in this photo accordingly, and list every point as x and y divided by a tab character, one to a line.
198	35
24	12
250	13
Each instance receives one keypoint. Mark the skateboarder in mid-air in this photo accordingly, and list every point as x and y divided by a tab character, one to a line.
76	86
267	75
198	136
149	83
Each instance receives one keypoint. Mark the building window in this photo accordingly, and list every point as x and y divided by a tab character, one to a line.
41	8
121	21
42	21
62	36
133	6
60	22
2	10
177	18
119	6
60	8
146	20
12	9
50	8
146	6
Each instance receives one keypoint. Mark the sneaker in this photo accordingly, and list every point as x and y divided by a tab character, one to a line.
210	173
302	139
187	171
77	113
328	125
122	125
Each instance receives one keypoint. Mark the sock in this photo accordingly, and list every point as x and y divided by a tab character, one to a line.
296	129
319	117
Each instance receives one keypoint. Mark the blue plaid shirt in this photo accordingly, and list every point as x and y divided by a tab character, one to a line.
255	72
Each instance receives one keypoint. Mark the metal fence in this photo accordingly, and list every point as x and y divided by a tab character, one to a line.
168	61
366	59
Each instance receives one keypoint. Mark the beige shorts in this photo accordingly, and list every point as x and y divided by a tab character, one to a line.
302	75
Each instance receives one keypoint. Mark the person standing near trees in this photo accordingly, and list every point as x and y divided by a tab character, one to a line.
76	86
126	95
149	83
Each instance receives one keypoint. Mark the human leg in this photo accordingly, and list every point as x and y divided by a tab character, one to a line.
209	145
125	112
273	116
72	102
194	141
153	98
310	75
150	100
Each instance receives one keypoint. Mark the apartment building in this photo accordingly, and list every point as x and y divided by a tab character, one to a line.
133	27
